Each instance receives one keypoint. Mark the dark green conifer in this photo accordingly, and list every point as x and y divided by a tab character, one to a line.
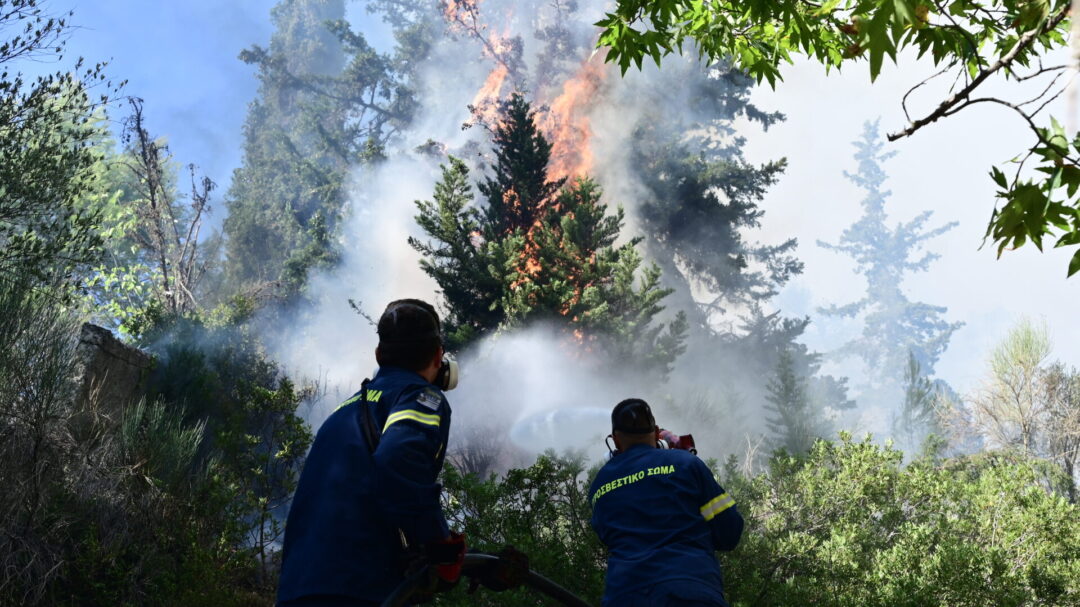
540	250
794	422
458	257
519	192
328	102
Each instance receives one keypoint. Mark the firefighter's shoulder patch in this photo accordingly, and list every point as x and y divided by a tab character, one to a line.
430	399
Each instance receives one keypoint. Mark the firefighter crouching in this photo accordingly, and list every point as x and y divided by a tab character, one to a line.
662	516
366	510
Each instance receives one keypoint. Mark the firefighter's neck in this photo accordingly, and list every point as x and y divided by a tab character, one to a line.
626	440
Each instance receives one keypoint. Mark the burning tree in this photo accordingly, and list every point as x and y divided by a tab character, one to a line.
541	249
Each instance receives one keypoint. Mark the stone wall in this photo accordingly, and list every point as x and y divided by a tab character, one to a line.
109	374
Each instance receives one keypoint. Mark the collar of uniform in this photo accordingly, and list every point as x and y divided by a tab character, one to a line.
641	445
400	372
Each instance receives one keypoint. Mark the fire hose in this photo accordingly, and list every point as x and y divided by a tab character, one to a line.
474	562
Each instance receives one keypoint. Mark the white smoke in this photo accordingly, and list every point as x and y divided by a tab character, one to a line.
542	392
523	388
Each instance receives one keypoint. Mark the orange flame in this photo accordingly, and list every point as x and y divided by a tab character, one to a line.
458	12
485	105
567	125
529	267
532	266
500	47
565	122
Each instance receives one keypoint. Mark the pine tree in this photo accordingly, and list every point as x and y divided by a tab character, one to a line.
701	205
793	421
579	274
761	339
519	193
478	253
893	326
540	249
461	261
288	171
327	103
918	417
702	199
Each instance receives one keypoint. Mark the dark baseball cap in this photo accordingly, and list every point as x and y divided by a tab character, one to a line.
408	321
633	416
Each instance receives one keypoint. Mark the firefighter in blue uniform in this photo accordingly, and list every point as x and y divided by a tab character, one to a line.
662	516
366	509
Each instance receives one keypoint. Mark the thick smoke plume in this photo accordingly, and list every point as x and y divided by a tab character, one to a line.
522	391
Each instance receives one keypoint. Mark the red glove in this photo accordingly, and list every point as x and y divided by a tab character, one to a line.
447	555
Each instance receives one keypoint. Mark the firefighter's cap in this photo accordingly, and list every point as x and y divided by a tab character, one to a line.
633	416
409	322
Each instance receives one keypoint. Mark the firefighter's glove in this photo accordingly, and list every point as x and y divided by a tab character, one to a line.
507	573
446	557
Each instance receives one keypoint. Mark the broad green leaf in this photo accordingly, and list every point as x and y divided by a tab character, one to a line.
1074	264
1055	179
905	10
999	177
878	42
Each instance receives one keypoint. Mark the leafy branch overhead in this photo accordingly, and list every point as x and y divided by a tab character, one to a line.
971	43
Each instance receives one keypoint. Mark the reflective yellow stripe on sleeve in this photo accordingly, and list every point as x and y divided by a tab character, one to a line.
717	505
416	416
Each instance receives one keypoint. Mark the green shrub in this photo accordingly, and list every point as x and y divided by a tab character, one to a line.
542	511
848	525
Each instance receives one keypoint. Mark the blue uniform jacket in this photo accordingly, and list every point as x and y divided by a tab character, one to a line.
342	535
662	516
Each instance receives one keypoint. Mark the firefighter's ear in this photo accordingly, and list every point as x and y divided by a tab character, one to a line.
615	439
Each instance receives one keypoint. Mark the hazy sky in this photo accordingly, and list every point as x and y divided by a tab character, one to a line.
182	59
942	168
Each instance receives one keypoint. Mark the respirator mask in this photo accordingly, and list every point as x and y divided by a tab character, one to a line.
447	379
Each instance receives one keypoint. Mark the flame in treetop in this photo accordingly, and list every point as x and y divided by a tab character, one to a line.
540	250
